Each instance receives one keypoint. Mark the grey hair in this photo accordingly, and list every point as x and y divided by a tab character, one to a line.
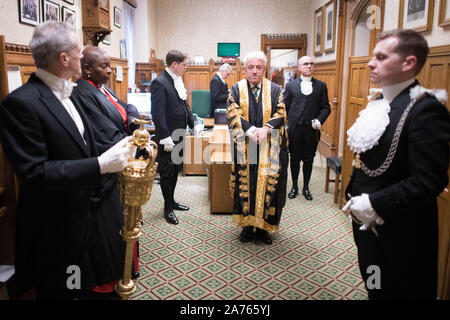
256	55
224	67
49	40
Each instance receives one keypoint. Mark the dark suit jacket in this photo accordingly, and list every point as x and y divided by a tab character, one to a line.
58	174
106	121
405	196
306	108
219	94
169	112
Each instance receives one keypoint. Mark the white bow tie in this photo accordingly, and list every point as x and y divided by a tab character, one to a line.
67	89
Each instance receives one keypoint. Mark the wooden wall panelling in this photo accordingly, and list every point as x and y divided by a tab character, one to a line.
329	139
357	92
8	182
120	88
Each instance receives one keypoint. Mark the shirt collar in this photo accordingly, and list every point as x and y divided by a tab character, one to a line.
258	85
306	78
220	76
173	75
391	92
55	83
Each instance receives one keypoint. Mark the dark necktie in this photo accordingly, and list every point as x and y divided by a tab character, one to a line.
255	90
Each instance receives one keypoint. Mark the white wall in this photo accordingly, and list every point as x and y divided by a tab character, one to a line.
438	36
145	37
196	26
19	33
312	6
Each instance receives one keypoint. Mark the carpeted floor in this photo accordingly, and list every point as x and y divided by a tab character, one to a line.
312	257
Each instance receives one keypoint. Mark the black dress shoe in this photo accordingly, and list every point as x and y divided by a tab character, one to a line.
293	193
263	236
246	234
307	194
180	207
171	217
135	275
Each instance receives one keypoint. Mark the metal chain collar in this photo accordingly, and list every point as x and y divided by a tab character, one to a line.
393	148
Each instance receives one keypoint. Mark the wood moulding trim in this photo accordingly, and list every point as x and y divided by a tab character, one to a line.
17	48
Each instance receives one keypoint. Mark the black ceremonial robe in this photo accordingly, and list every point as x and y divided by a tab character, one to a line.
106	250
259	174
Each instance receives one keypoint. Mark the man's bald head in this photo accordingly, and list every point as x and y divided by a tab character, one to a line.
306	66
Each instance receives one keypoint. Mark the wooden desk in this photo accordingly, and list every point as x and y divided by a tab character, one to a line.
208	122
219	170
194	158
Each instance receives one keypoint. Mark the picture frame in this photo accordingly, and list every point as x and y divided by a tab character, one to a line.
50	11
416	15
330	26
70	1
318	31
107	40
444	14
123	49
29	12
69	16
117	17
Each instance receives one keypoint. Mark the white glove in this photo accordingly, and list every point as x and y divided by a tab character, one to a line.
316	124
197	129
116	158
362	210
168	144
252	133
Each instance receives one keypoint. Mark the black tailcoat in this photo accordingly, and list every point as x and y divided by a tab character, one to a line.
405	197
219	94
301	108
169	113
58	174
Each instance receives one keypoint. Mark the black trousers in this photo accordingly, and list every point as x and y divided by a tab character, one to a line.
303	142
168	172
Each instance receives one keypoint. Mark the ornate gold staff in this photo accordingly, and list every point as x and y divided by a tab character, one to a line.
135	187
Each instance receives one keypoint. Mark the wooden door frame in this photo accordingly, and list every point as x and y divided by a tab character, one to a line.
282	41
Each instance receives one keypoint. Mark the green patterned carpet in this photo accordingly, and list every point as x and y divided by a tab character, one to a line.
312	257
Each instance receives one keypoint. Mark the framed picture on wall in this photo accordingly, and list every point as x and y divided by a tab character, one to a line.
416	15
330	26
29	12
70	1
69	17
123	48
318	31
117	17
444	14
51	11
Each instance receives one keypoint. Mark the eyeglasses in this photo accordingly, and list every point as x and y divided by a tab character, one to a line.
308	64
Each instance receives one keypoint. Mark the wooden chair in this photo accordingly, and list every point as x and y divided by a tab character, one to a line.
335	164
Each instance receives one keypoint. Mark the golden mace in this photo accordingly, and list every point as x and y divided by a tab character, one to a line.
135	187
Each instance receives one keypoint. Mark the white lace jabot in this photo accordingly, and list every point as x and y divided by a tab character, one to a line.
373	120
306	85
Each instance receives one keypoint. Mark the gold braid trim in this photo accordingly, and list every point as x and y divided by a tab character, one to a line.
254	221
234	114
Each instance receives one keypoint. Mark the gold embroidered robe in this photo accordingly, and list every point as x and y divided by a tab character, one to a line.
259	172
